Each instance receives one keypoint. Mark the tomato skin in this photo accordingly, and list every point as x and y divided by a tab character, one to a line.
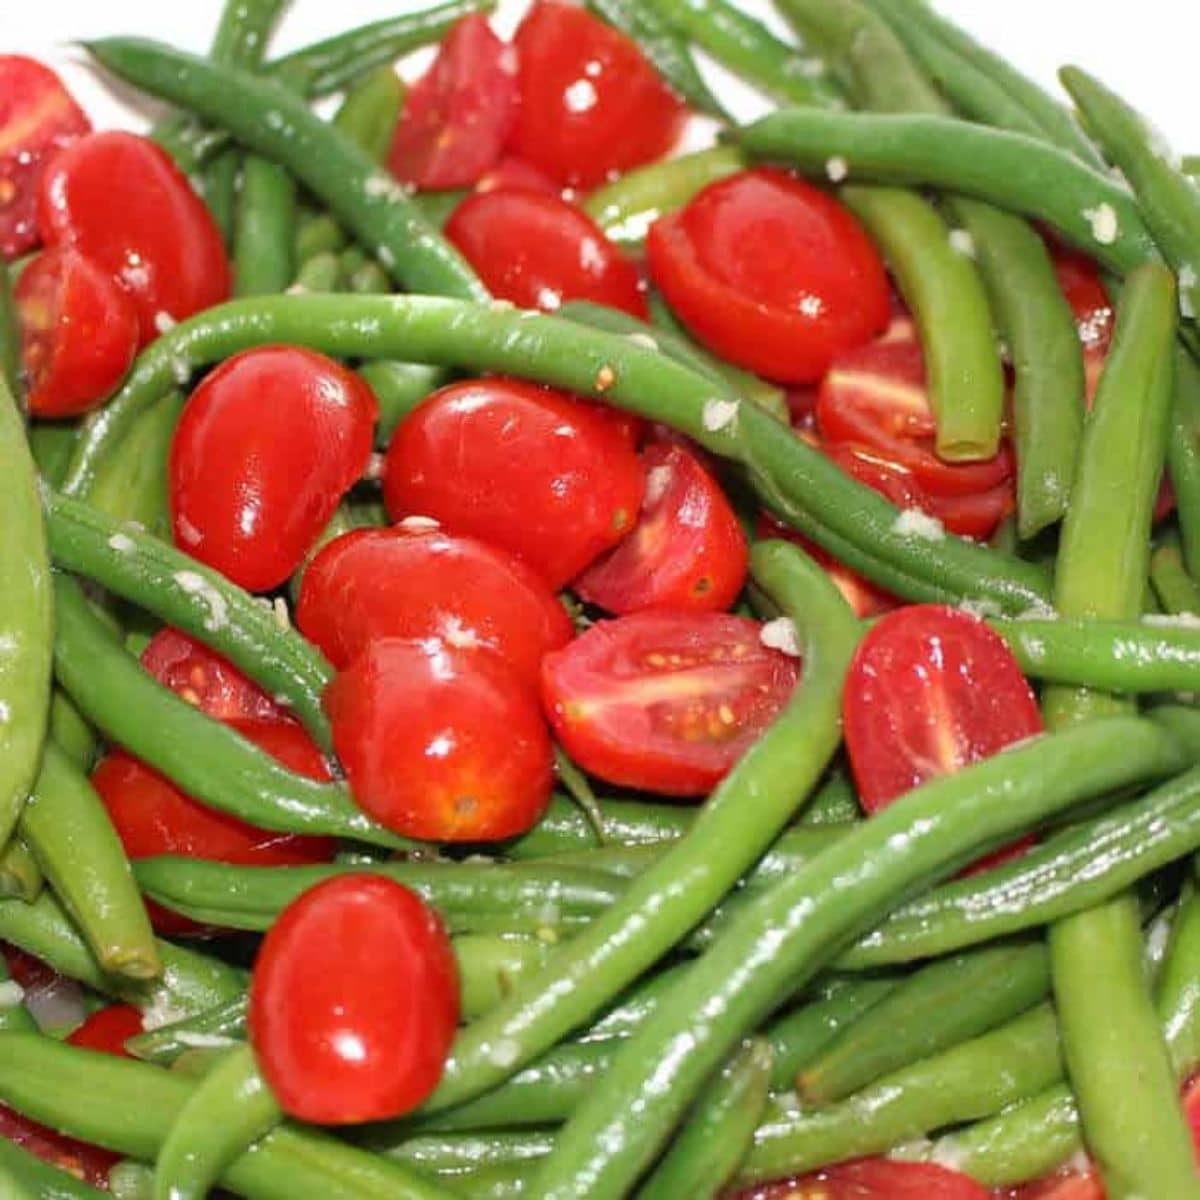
375	583
441	744
108	1029
1065	1186
79	333
267	446
872	1179
538	251
667	702
459	114
120	200
687	552
354	1002
771	273
591	105
523	467
512	172
1080	281
38	117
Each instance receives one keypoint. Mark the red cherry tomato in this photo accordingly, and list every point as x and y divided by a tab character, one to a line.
79	333
108	1029
120	200
267	446
591	104
771	273
38	118
1191	1108
872	1179
667	702
512	172
1079	278
441	744
354	1002
523	467
686	553
538	251
1065	1186
459	114
203	678
376	583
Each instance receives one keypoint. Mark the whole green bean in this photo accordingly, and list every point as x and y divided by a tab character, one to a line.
369	113
400	387
316	233
29	1178
369	280
1177	591
20	875
563	829
835	804
264	224
320	273
1183	455
72	734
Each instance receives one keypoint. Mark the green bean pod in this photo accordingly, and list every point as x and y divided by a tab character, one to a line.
320	273
10	341
369	113
1177	591
51	443
835	804
458	1153
27	1177
563	829
316	233
264	224
400	387
218	1027
20	875
1183	455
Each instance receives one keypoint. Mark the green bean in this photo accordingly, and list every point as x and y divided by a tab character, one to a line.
20	875
369	112
129	1107
438	207
369	280
129	1180
400	387
71	733
68	829
51	444
563	829
186	594
320	273
1183	456
1177	591
1006	169
264	220
455	1153
509	1181
277	124
835	804
29	1178
10	341
14	1016
316	233
217	1027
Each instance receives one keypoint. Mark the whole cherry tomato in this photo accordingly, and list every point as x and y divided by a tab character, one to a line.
267	446
771	273
535	249
120	200
354	1002
38	118
591	105
459	114
667	702
872	1179
79	333
441	744
522	467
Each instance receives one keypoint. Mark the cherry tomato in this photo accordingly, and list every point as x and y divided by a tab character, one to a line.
591	105
120	200
667	702
512	172
79	333
38	118
686	553
1079	278
108	1029
459	114
203	678
375	583
525	468
771	273
354	1002
439	743
267	446
872	1179
538	251
1191	1108
1065	1186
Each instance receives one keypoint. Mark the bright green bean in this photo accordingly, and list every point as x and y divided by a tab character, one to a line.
369	113
563	829
20	875
1183	455
264	223
317	233
400	387
10	340
29	1178
51	443
835	804
1177	591
455	1153
320	273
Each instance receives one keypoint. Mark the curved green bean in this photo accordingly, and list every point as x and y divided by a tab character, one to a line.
20	875
1177	591
32	1179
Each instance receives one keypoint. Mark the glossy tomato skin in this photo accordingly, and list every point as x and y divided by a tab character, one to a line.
375	583
108	1029
771	273
512	172
591	105
441	744
687	552
666	702
354	1002
79	333
872	1179
525	468
459	114
267	446
120	200
535	249
38	118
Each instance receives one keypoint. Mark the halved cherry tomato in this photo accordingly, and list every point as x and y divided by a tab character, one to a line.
1069	1185
266	447
771	273
38	117
354	1002
1079	278
120	200
523	467
591	104
667	702
108	1029
538	251
441	744
872	1179
79	333
375	583
459	114
512	172
687	551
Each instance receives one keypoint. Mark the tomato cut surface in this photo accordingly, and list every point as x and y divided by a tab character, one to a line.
38	118
687	551
538	251
79	333
525	468
354	1002
872	1179
591	105
667	702
771	273
459	114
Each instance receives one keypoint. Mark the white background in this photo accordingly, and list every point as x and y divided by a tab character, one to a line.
1144	48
